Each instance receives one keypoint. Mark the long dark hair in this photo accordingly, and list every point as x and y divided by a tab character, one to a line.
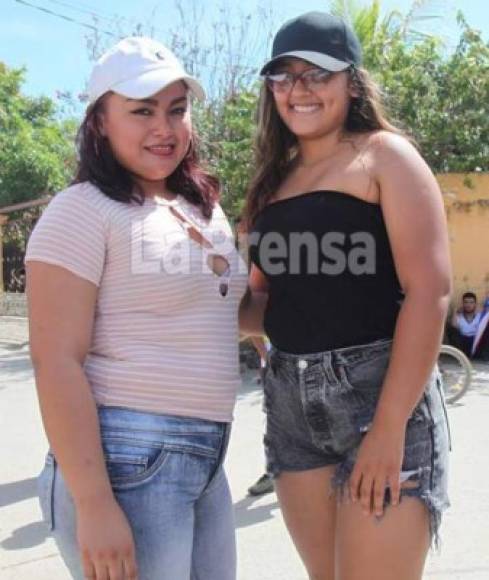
98	165
276	145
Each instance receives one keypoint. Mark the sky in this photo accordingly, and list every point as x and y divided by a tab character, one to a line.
54	49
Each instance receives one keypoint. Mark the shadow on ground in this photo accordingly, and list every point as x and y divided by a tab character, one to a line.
247	514
26	537
16	365
17	491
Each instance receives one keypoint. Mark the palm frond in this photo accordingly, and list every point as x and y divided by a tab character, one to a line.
418	14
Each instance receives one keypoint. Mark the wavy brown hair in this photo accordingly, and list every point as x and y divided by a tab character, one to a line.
276	145
98	165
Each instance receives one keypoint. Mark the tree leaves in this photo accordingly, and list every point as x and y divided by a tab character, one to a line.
36	150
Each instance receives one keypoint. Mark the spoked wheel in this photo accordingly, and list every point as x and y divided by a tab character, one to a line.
456	372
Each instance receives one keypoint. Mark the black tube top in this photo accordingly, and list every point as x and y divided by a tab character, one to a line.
331	274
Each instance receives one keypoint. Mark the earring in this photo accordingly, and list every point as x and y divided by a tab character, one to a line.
355	104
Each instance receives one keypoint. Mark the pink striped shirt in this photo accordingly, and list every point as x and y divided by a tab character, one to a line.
164	338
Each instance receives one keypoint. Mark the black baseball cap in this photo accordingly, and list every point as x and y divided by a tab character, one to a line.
320	38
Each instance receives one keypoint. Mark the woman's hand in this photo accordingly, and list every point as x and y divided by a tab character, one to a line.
106	542
378	465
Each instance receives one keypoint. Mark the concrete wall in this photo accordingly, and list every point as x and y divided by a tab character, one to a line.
13	304
466	199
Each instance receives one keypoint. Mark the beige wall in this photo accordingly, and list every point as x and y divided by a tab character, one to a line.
466	199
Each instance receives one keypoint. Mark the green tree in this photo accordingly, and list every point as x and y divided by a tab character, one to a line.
226	130
36	150
442	100
378	33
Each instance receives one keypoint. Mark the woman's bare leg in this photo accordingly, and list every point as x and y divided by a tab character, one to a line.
395	547
308	509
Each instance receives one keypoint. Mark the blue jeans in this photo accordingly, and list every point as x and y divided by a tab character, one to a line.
167	475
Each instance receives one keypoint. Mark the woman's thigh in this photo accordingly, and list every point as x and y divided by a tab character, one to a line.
161	519
158	472
393	547
309	511
214	544
59	514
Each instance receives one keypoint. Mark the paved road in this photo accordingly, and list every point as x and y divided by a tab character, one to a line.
265	552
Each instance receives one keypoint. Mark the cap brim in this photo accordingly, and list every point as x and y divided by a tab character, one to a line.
318	58
152	82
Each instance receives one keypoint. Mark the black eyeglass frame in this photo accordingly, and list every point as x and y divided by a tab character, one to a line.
307	75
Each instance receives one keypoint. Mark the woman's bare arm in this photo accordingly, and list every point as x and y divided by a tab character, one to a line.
253	304
61	314
414	214
413	209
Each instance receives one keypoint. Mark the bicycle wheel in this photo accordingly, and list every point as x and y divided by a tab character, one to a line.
456	372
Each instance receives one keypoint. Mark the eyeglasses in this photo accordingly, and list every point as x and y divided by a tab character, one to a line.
312	80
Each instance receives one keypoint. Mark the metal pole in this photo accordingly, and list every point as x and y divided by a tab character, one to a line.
3	221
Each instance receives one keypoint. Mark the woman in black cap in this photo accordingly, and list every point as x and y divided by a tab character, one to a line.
350	280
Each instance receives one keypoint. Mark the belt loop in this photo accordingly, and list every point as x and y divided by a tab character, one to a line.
331	376
339	358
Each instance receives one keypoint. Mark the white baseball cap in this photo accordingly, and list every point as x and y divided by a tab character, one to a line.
138	67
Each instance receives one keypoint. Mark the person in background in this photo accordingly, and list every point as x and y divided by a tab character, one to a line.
480	346
264	484
464	324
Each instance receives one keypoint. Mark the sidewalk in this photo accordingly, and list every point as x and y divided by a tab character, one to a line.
265	551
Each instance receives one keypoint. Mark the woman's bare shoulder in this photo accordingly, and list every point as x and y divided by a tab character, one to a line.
387	142
395	152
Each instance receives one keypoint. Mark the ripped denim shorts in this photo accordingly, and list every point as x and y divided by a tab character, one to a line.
319	406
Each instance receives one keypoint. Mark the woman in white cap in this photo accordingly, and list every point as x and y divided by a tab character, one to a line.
351	282
133	286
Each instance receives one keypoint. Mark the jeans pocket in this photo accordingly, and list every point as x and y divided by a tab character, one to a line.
45	488
366	376
130	463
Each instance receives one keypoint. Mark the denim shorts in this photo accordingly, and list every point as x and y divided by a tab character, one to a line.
319	406
167	475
